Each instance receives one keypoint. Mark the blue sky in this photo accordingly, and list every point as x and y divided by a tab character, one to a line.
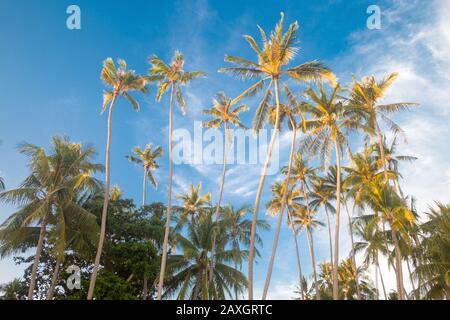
50	85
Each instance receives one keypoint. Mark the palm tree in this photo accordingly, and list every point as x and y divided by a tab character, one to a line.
281	197
189	270
392	209
237	229
326	128
364	101
194	204
171	77
119	82
288	111
435	248
321	196
147	158
277	51
372	243
223	115
46	196
304	217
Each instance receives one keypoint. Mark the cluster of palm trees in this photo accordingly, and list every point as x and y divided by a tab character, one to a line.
204	246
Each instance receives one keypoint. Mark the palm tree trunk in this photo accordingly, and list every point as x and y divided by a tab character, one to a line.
329	238
398	259
37	256
380	145
259	192
144	187
222	184
309	237
105	204
411	278
299	265
145	289
336	232
350	227
51	290
280	219
169	196
381	278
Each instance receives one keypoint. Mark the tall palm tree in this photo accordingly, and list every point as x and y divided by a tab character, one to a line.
364	100
280	198
171	77
46	196
372	243
147	158
304	218
277	51
392	209
224	115
119	83
326	128
289	111
193	204
188	271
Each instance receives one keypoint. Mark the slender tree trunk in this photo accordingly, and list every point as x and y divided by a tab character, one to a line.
380	145
411	278
381	277
144	187
336	232
259	192
398	259
145	289
169	196
105	204
222	184
37	256
309	237
299	265
51	290
350	227
280	219
329	238
377	287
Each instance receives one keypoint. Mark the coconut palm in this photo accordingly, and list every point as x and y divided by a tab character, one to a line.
119	83
391	208
372	244
435	248
46	197
304	218
277	51
326	128
147	159
224	115
170	77
364	100
193	204
188	271
288	111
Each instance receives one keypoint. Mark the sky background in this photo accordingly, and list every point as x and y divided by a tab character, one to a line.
50	85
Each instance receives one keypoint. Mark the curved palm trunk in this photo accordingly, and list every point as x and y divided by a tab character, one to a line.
329	238
101	239
280	219
313	260
259	192
222	184
398	260
299	265
411	277
37	256
51	290
336	233
380	145
144	200
350	227
169	196
377	265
